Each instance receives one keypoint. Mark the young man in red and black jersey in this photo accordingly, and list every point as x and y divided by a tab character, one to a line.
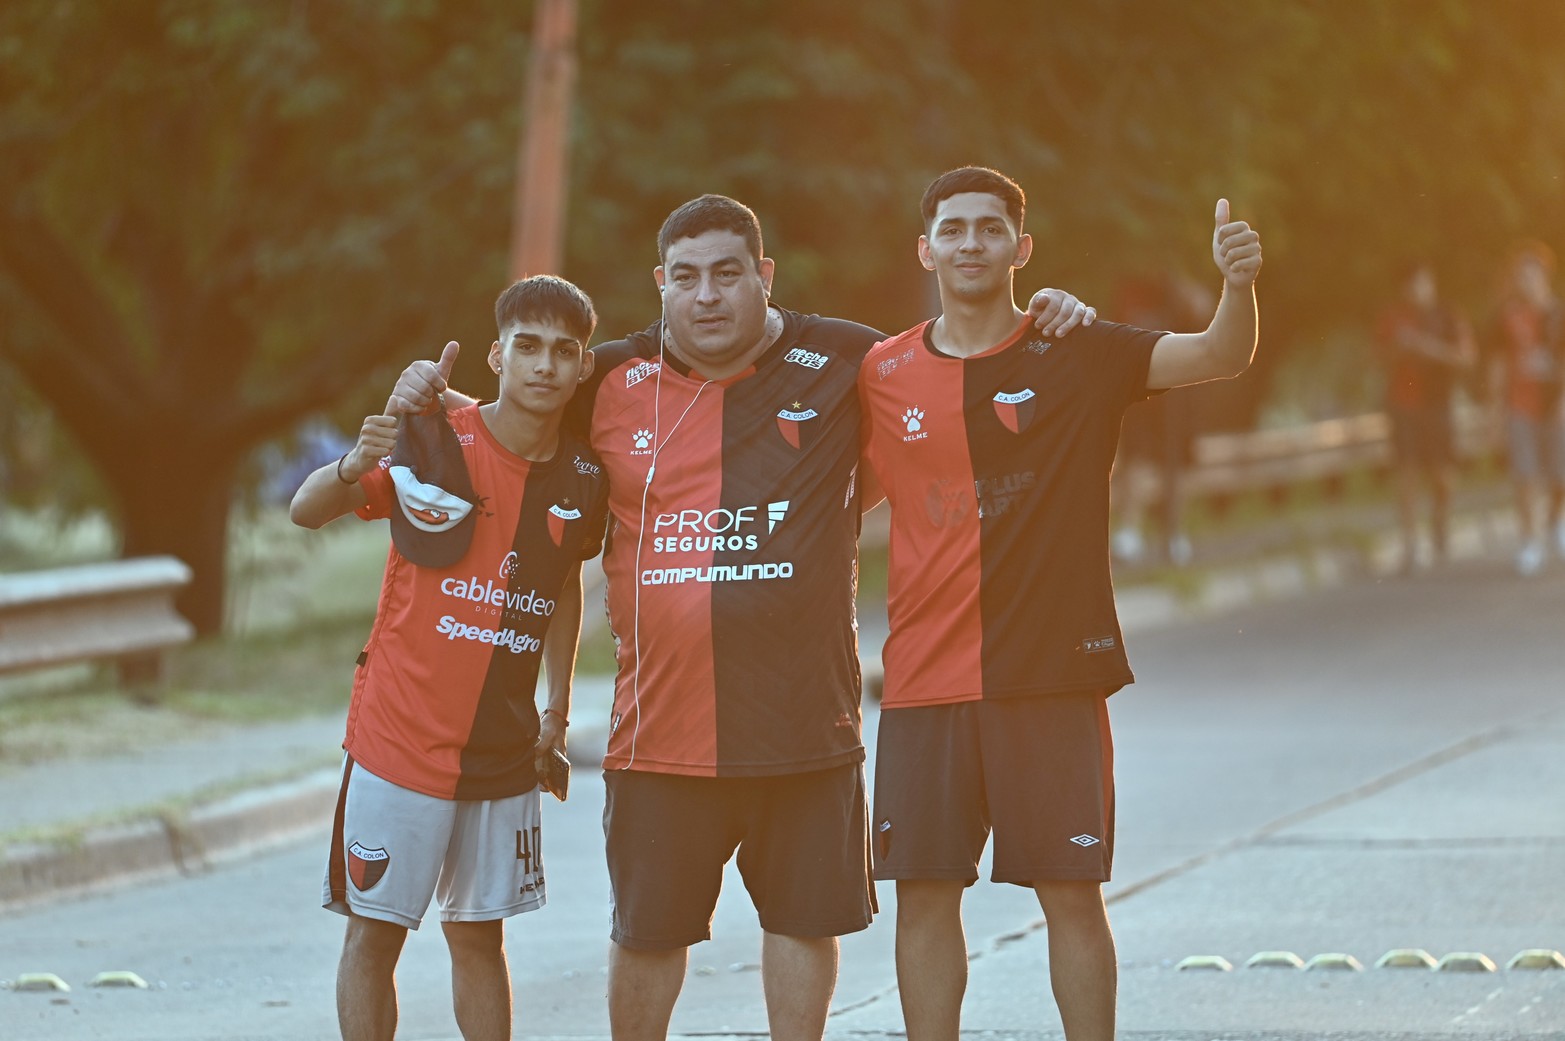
729	431
994	444
493	508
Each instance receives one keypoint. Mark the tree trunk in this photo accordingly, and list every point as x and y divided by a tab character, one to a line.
184	517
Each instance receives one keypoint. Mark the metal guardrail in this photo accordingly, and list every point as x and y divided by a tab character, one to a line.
122	610
1229	464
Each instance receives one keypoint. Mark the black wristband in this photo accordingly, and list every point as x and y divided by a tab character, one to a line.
341	478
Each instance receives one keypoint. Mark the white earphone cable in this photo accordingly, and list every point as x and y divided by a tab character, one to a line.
641	526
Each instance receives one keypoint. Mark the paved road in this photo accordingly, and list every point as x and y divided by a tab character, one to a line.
1375	767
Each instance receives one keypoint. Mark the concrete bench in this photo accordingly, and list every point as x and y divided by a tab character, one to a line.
122	611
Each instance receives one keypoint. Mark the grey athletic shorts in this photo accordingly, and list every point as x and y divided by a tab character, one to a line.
393	848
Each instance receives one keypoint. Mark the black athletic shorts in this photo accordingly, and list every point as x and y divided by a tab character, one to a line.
1037	771
803	842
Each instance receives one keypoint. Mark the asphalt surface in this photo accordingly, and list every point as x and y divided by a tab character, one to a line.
1372	767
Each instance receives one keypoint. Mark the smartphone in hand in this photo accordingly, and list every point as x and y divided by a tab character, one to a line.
556	775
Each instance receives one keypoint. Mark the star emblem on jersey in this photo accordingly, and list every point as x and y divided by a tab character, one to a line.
558	515
791	422
1016	410
1085	840
367	866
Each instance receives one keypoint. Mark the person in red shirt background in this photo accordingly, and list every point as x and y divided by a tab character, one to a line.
1424	345
1528	356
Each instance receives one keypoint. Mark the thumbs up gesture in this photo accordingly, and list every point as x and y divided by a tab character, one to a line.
1236	249
419	387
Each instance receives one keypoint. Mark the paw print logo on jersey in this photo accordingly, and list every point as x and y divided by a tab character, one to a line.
510	565
913	420
642	440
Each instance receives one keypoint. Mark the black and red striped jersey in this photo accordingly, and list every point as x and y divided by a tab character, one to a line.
732	552
997	470
443	698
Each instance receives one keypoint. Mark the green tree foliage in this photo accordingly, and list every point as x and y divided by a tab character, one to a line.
218	217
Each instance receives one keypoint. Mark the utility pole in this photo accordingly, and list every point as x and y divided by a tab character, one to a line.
538	221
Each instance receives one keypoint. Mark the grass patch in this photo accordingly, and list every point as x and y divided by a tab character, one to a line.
229	681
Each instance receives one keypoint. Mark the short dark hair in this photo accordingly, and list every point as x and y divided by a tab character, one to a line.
975	179
549	298
711	213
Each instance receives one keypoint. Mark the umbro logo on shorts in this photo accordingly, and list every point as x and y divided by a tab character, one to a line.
1085	840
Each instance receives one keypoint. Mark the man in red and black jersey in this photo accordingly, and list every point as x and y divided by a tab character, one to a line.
994	444
729	430
493	508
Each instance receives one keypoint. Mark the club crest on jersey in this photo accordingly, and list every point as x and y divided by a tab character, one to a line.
947	502
1016	410
558	515
367	866
791	423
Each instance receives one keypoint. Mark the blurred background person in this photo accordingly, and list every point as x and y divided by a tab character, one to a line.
1155	444
1424	347
1527	368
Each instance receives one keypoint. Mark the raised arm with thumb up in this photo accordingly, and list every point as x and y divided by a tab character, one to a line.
1236	248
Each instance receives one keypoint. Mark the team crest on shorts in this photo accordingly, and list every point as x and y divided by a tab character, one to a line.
558	515
792	423
367	866
1016	410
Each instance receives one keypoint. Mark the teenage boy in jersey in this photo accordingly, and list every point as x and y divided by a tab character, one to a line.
994	444
493	508
730	434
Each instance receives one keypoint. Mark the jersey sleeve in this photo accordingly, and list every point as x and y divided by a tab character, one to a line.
377	492
597	524
1123	355
607	357
871	491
